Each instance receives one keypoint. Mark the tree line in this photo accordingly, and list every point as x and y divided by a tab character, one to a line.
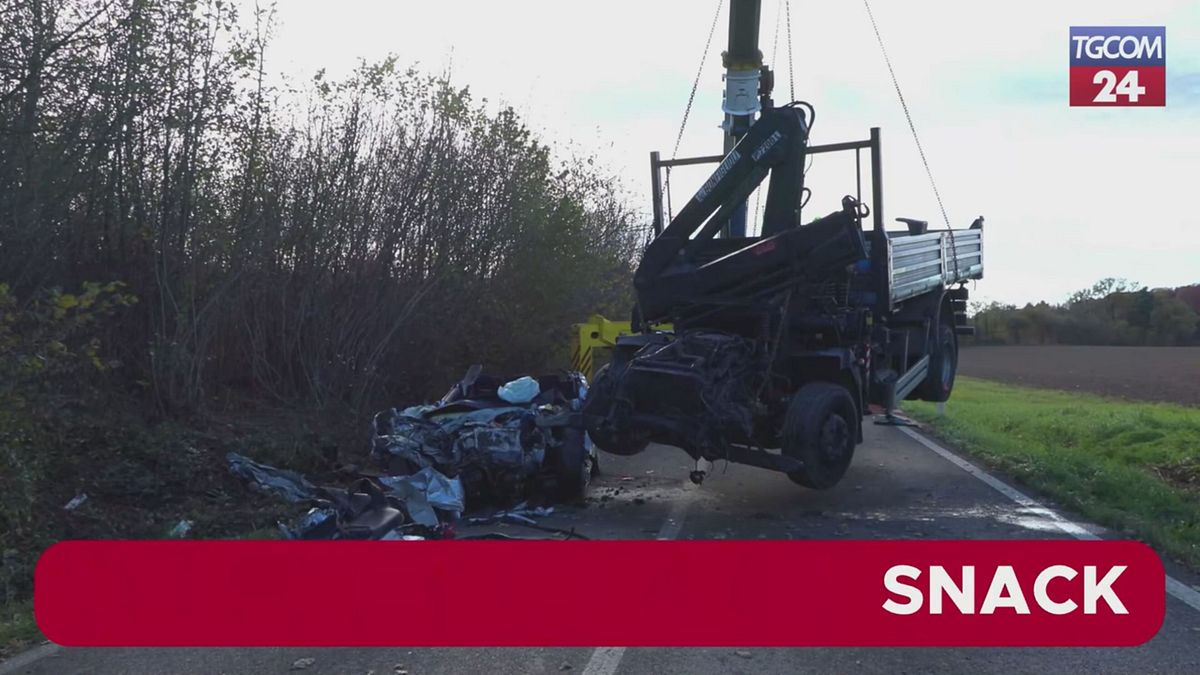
344	242
1111	312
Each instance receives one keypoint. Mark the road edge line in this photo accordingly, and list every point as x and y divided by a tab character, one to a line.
1176	588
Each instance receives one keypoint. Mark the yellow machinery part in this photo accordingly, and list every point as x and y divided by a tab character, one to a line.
594	338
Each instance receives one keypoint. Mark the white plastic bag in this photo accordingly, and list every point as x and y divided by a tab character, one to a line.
521	390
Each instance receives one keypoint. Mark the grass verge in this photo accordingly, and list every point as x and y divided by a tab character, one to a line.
1134	467
17	627
138	480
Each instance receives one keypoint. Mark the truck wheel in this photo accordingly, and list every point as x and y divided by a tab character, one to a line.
573	470
943	366
604	436
819	430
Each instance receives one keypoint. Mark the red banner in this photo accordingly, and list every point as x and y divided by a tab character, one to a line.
1118	86
587	593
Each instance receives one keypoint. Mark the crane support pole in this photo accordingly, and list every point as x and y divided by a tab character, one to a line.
880	247
743	66
656	192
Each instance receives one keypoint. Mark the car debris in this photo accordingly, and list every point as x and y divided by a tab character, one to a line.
475	448
362	511
76	502
521	514
181	529
425	493
287	484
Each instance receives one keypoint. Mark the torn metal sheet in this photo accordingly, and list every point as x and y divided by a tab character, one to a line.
361	512
318	523
427	492
287	484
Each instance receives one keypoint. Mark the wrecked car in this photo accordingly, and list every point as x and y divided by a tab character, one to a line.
506	440
488	442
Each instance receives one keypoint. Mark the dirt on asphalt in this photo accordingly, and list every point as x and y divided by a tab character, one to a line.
1168	374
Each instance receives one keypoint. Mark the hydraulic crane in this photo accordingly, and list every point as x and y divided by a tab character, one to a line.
780	342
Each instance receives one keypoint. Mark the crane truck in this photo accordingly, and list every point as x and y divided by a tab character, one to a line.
781	340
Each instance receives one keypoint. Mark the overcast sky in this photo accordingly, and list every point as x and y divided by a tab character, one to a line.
1070	195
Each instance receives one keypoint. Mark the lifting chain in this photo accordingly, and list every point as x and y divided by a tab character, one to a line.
912	127
691	98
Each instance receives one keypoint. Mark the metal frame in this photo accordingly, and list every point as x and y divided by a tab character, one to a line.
657	164
893	257
880	247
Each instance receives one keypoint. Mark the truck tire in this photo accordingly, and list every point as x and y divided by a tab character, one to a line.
573	468
820	431
606	438
943	366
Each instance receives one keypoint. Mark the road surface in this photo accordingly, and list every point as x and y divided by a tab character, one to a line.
897	487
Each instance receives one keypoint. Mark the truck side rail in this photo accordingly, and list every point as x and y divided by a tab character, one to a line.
921	263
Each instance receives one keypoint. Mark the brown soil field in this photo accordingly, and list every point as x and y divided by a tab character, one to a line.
1169	374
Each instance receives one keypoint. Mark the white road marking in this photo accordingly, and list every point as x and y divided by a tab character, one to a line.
676	516
604	660
1176	588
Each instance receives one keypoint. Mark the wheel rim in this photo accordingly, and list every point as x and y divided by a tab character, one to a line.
834	436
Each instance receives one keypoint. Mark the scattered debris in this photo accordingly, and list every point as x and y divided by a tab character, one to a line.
425	493
76	502
395	535
520	514
364	511
181	529
487	441
304	663
287	484
744	653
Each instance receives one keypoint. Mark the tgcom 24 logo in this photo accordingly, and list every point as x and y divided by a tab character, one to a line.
1118	65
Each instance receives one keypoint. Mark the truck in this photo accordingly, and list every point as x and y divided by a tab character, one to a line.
781	340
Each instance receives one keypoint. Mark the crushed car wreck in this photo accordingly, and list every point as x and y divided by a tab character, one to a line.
504	439
489	442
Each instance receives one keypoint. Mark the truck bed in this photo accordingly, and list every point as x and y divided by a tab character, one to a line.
923	262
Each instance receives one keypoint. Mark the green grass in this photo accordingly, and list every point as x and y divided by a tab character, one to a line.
17	627
1134	467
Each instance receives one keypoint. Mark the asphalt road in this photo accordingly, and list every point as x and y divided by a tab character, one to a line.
896	488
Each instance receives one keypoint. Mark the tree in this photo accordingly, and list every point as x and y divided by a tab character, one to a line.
1172	321
1104	288
353	242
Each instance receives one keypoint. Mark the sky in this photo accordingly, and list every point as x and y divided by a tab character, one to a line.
1070	195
